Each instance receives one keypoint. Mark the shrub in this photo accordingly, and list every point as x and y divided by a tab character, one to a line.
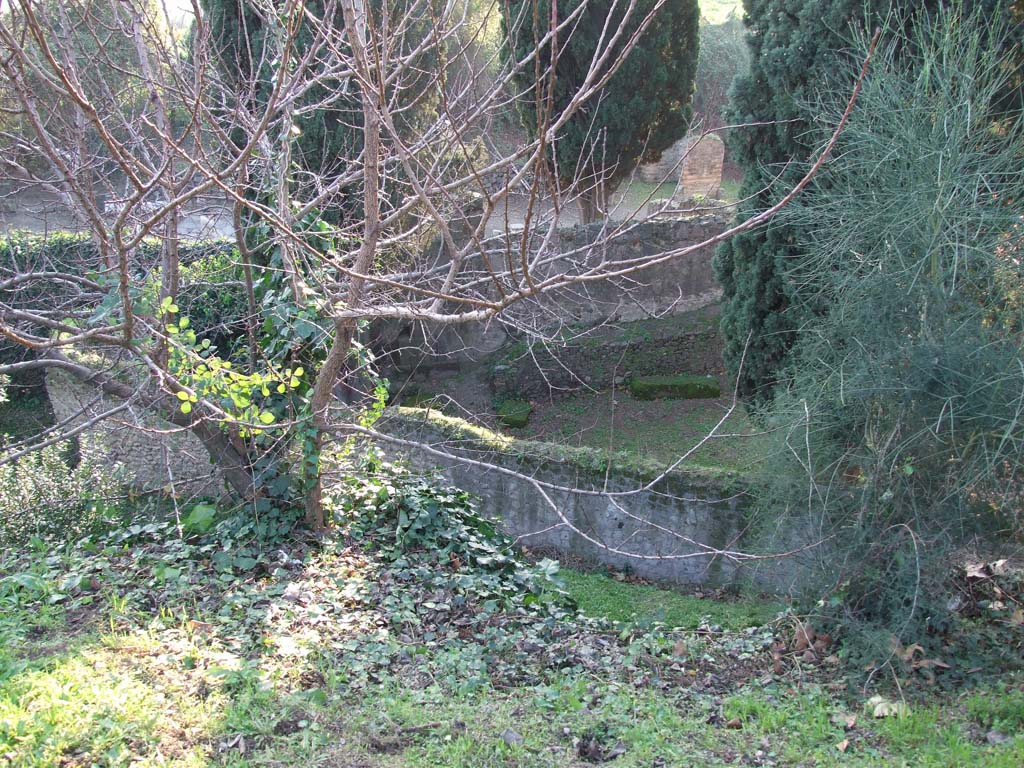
514	413
638	113
680	387
902	401
797	48
211	293
41	495
434	531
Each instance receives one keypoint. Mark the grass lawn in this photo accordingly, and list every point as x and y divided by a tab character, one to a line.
660	430
606	597
633	199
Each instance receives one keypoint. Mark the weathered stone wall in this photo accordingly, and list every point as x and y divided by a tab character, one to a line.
155	454
673	287
656	533
702	169
695	165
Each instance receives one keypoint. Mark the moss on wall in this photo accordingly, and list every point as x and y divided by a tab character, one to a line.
465	435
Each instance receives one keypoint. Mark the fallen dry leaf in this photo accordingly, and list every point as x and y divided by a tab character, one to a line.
880	707
844	720
908	653
735	723
804	637
842	745
977	571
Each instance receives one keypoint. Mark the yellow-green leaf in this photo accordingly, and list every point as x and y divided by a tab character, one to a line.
186	407
267	417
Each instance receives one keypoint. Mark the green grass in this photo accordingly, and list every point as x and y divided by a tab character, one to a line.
142	669
1002	710
653	430
730	191
86	708
637	195
140	699
601	596
678	387
124	703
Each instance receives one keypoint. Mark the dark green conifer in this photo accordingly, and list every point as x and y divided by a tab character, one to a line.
640	112
796	50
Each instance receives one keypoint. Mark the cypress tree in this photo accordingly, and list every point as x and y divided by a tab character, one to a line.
796	50
638	114
330	136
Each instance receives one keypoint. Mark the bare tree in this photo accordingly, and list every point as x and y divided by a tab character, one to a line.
131	174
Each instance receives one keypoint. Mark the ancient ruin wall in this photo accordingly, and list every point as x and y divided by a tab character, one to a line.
662	527
695	165
672	287
610	356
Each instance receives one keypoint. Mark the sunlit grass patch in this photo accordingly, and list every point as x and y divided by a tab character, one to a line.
604	597
397	654
86	709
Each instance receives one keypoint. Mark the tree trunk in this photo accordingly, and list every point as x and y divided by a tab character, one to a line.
345	328
233	465
594	202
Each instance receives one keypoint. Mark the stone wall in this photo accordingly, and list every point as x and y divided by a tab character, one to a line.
655	533
696	166
157	455
672	287
702	169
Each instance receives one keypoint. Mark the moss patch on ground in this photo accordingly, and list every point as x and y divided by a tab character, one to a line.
514	413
